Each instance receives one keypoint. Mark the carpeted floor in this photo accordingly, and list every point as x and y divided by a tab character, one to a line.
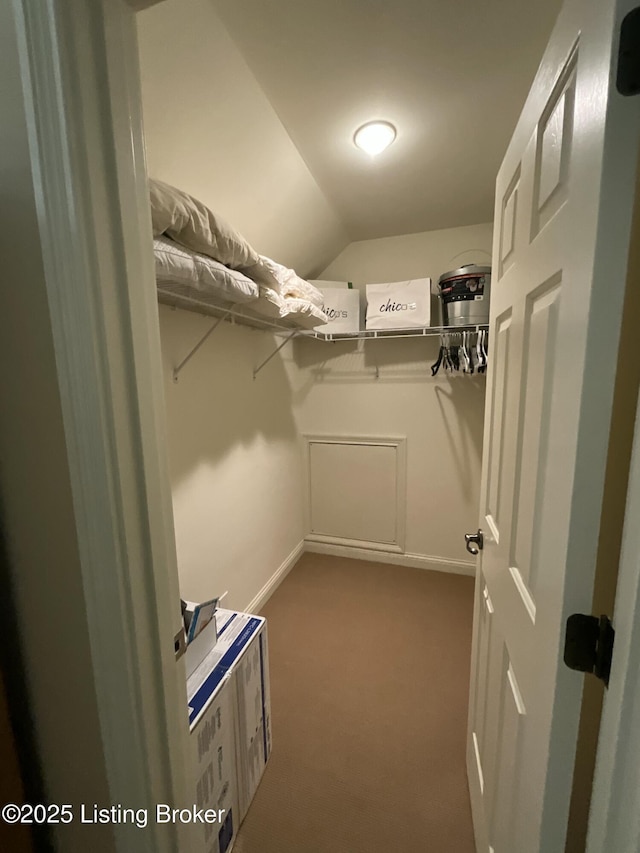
369	685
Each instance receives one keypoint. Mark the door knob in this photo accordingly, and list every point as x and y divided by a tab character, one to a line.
475	542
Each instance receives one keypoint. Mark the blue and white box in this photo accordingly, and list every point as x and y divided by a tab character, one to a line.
213	739
231	685
253	744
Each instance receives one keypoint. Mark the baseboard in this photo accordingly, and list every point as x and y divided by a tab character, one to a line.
360	544
257	603
416	561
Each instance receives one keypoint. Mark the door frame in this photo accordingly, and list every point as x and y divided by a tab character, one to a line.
79	77
106	337
614	822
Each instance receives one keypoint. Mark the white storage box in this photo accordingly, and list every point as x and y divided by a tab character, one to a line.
341	306
321	283
399	304
235	670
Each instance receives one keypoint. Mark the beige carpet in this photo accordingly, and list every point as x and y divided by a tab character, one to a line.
369	684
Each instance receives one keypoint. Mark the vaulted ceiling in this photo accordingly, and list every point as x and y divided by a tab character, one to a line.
452	76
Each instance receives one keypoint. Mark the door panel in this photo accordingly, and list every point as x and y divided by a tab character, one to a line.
553	149
555	318
506	809
540	322
496	449
508	224
493	665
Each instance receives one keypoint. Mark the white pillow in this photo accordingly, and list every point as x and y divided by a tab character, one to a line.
190	223
187	273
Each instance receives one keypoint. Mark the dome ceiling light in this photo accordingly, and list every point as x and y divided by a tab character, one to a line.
374	136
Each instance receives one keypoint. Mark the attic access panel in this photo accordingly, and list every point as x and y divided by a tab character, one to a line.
356	491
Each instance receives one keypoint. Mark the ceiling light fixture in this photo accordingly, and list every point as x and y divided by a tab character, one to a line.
374	137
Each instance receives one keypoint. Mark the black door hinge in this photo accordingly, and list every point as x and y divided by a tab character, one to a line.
588	645
628	76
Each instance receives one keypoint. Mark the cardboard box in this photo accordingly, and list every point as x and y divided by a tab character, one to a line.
232	677
253	745
214	765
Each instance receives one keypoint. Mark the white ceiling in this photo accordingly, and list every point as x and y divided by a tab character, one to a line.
452	75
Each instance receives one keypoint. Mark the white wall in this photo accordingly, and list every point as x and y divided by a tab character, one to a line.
234	456
211	131
233	447
441	417
428	253
235	453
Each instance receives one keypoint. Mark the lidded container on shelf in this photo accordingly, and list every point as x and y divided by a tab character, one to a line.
464	295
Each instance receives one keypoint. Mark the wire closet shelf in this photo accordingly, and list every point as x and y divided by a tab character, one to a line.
243	316
373	334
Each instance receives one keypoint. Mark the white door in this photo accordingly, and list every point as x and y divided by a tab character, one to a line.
562	219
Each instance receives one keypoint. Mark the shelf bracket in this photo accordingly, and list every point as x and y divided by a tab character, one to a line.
189	356
257	370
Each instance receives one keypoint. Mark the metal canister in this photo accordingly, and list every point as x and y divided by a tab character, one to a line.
465	295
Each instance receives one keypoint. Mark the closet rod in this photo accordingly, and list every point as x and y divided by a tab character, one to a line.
189	356
275	352
379	334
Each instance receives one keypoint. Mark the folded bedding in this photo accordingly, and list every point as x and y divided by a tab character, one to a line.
289	284
200	256
294	312
182	272
193	225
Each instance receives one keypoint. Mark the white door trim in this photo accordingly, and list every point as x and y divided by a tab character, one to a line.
86	145
614	820
79	69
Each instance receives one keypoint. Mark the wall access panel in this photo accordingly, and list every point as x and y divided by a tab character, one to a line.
356	491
